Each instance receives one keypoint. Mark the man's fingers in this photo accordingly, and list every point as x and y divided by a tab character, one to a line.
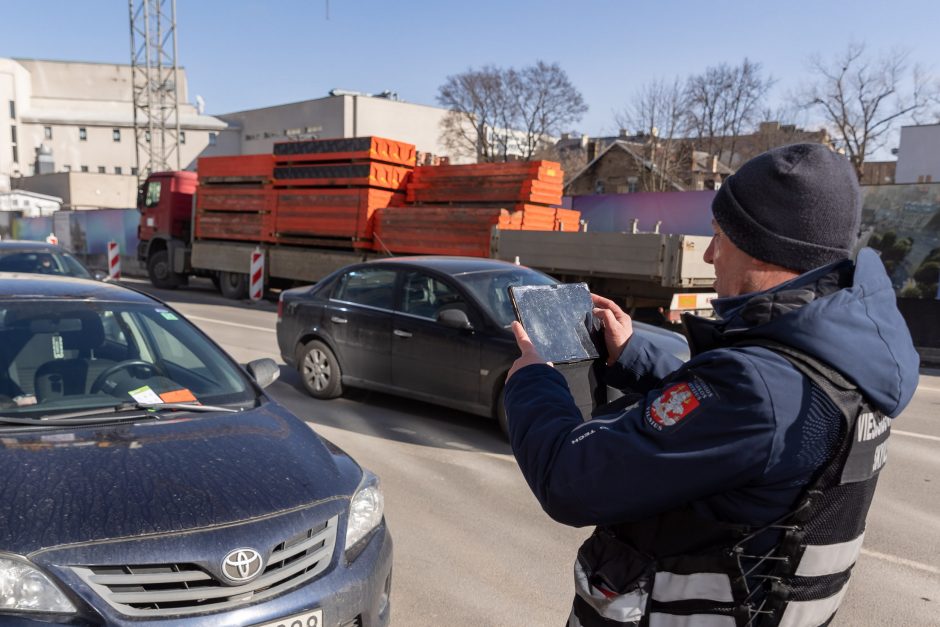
606	303
606	316
522	338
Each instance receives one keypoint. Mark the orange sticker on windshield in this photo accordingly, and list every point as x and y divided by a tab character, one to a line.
178	396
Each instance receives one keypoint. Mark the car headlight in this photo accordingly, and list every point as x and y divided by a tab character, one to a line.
365	512
24	588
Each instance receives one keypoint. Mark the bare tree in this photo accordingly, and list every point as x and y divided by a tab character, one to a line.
498	113
657	112
723	103
863	98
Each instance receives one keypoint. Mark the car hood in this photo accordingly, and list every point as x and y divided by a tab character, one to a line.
162	476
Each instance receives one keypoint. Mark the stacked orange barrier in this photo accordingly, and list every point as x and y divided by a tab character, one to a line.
366	193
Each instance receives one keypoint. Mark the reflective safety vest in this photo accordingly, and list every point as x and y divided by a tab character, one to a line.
680	569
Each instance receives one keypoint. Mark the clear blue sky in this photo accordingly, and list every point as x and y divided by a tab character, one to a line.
241	54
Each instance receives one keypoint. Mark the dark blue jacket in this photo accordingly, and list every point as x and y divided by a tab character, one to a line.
737	432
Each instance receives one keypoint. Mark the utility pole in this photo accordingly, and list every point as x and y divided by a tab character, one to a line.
155	77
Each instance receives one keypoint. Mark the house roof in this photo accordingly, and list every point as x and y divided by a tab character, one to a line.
626	147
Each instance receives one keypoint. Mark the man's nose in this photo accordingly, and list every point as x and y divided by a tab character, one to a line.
709	256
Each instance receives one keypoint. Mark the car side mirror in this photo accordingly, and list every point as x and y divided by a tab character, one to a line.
100	276
264	371
454	318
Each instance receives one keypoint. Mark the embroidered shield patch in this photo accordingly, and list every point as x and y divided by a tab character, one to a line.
674	404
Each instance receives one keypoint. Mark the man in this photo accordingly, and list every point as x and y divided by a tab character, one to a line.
733	489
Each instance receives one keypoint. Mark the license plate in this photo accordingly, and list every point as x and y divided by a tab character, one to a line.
313	618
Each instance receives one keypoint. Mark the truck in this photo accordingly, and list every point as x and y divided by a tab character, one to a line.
316	206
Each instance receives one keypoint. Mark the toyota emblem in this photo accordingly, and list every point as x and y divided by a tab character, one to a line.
241	565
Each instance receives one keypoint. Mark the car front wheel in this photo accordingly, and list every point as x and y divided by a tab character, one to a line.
501	412
320	371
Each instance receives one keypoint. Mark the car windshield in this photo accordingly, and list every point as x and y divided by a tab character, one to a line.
42	262
58	356
491	288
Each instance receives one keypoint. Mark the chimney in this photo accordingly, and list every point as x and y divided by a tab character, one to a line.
714	163
623	132
565	136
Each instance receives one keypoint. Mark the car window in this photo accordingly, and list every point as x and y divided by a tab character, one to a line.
426	296
62	355
42	262
373	287
73	267
491	288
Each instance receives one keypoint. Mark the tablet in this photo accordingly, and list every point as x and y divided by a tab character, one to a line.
558	319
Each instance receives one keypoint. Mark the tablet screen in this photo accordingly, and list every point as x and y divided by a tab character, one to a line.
558	319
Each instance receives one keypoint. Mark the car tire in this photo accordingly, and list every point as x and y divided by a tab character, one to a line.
319	371
161	272
234	285
501	412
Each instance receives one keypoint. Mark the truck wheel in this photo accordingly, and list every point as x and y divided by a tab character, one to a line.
320	371
161	272
234	285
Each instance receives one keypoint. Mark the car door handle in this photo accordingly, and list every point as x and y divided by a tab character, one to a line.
338	320
401	333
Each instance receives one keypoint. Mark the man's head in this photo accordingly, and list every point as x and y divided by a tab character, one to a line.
784	212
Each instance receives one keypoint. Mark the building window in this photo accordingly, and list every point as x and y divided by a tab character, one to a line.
16	155
12	108
213	139
47	132
116	134
82	134
67	168
84	168
133	171
118	169
147	136
13	134
182	137
102	169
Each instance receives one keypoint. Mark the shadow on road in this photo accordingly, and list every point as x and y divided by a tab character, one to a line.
392	417
198	292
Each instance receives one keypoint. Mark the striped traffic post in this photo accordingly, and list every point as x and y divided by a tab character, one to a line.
256	276
114	261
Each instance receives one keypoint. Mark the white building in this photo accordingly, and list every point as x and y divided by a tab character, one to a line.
81	117
30	204
342	114
919	154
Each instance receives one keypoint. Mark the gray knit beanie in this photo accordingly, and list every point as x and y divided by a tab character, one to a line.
796	206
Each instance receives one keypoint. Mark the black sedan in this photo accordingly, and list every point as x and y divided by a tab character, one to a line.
29	257
147	479
430	328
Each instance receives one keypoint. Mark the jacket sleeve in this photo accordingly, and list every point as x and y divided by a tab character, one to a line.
706	429
642	366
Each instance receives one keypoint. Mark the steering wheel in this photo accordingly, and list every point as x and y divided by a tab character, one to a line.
124	365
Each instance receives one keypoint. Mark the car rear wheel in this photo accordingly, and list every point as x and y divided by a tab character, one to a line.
234	285
320	371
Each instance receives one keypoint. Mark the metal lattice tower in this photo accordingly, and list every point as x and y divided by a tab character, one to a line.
155	76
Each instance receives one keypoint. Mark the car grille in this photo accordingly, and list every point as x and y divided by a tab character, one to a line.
175	589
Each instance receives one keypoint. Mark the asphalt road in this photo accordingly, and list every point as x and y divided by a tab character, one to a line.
472	546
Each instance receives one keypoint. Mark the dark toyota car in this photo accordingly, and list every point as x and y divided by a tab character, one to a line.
147	479
430	328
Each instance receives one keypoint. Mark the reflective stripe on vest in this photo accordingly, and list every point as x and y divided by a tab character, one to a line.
622	608
812	613
828	559
658	619
670	587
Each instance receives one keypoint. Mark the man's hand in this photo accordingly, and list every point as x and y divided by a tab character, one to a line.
529	354
618	326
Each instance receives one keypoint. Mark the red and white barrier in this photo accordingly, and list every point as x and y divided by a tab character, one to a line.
114	260
256	276
52	239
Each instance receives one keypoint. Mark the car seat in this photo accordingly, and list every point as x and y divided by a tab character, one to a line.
69	341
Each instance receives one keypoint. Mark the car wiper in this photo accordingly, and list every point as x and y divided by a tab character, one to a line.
91	416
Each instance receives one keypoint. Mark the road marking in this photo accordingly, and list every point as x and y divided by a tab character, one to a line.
232	324
927	568
910	434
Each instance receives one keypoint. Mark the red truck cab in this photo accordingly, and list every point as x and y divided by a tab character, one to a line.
165	201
